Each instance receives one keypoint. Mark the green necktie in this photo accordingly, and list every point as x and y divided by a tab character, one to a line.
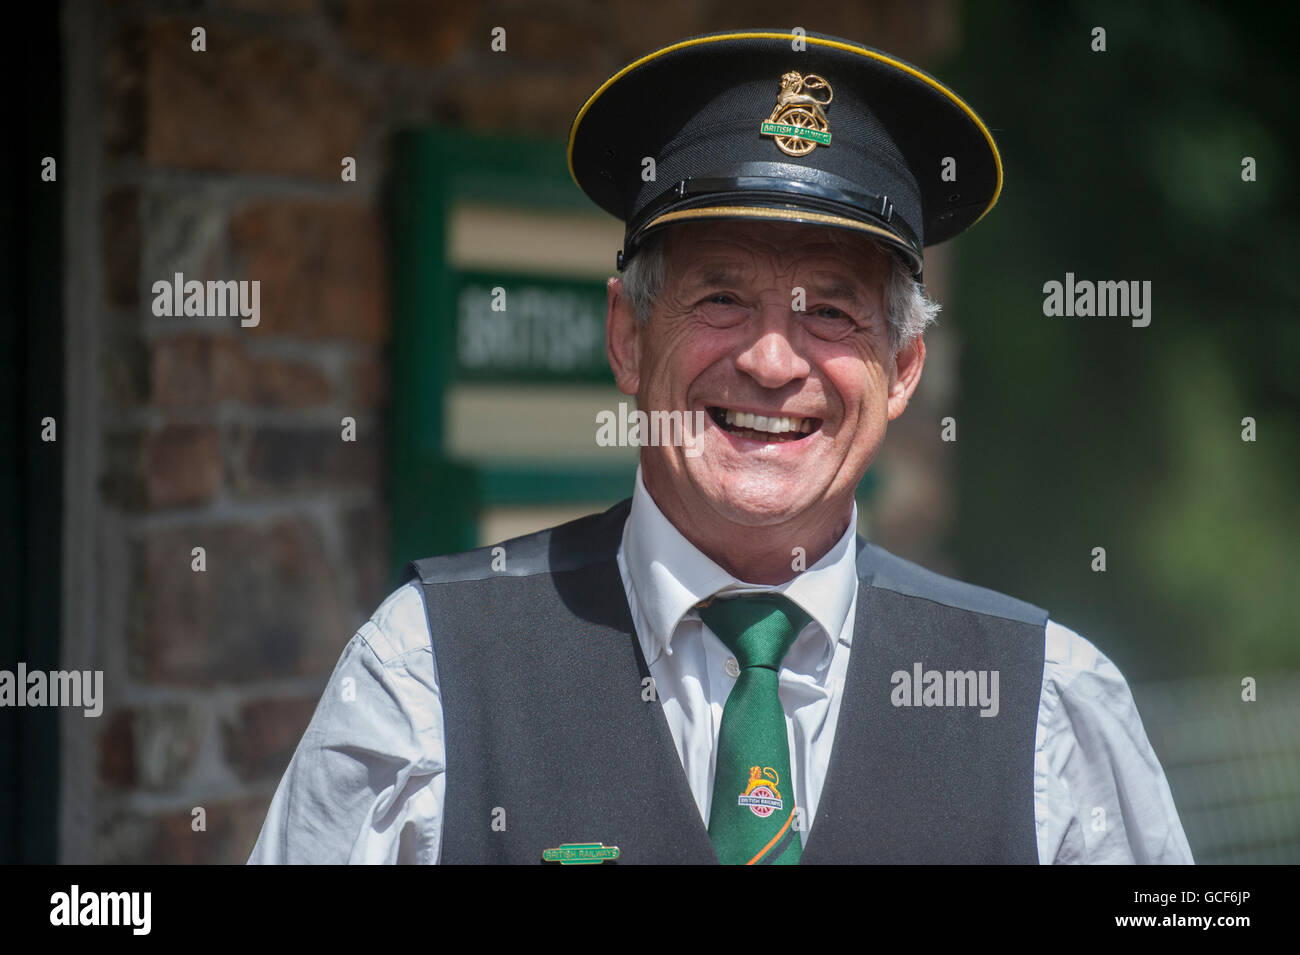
751	821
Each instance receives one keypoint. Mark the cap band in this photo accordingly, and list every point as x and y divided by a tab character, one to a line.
843	204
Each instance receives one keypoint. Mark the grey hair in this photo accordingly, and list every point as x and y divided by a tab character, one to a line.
908	310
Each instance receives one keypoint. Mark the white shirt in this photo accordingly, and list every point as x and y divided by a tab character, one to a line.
367	782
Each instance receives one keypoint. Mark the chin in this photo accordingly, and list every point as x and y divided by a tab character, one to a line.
757	500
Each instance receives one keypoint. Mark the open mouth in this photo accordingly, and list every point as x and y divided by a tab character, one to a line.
769	428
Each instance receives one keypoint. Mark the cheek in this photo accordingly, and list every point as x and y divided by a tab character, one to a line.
858	384
683	353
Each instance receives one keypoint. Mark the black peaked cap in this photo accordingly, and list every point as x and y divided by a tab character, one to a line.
742	125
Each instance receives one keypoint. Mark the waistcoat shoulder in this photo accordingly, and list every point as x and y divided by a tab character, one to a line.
580	543
879	568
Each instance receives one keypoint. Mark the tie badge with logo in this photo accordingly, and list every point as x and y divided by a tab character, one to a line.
761	795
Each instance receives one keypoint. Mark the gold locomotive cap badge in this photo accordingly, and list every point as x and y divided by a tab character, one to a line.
798	122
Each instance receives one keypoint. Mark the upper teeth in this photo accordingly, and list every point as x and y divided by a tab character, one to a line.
758	422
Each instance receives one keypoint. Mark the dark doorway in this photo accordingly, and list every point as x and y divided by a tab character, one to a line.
31	469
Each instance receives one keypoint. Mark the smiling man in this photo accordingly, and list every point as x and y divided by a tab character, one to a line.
799	397
719	669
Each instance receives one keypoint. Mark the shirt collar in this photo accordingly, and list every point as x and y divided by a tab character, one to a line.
670	576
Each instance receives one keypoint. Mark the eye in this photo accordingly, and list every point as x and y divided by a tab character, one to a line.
830	323
721	309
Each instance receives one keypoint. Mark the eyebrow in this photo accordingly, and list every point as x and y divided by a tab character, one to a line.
711	275
728	275
837	289
714	275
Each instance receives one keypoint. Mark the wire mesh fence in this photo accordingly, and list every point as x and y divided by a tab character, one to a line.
1233	766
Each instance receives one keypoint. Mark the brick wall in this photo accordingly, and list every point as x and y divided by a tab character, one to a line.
198	432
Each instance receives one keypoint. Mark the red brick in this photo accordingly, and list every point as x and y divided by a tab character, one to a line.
267	606
171	466
122	91
120	232
201	370
182	465
642	27
365	535
116	747
411	32
191	370
369	382
168	838
124	364
276	460
916	30
261	739
289	384
321	266
562	38
252	102
150	747
275	6
533	101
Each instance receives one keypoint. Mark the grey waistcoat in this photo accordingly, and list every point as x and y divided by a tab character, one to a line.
550	737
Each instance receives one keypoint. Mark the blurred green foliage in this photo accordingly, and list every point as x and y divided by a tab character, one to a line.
1076	433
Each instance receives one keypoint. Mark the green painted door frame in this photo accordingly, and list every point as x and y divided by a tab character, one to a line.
436	500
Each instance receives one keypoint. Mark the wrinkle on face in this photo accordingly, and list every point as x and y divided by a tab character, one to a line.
725	331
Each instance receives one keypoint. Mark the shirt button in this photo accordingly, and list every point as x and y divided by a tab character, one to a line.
732	667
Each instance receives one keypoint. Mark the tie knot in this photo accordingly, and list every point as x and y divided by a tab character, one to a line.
758	628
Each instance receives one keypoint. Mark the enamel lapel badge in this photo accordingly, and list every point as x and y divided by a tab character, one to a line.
581	853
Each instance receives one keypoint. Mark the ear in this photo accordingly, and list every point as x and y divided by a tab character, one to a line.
905	375
622	338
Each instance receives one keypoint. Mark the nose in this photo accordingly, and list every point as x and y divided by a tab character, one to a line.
771	357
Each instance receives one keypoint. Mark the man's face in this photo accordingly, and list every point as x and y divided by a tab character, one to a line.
727	337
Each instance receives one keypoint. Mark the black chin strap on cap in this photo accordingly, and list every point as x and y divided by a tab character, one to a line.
754	187
776	194
622	258
793	194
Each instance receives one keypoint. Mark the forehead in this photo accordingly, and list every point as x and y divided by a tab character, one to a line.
772	247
